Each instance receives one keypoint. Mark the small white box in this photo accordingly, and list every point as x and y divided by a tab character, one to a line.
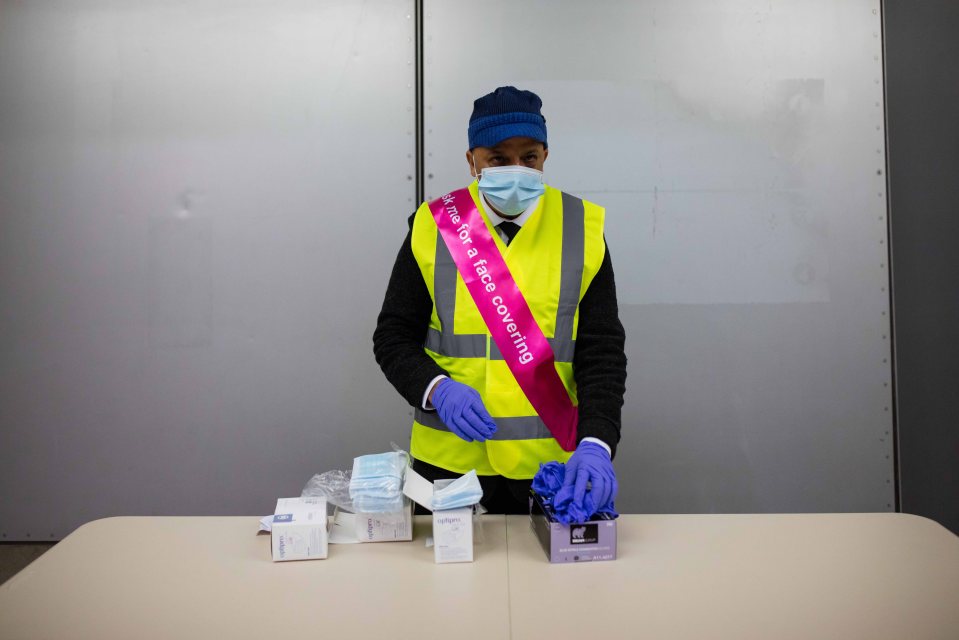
452	532
299	529
452	528
386	527
453	535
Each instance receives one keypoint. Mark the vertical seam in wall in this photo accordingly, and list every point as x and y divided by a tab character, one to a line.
897	477
509	592
418	72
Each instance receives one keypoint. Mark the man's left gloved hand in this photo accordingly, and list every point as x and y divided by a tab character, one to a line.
590	463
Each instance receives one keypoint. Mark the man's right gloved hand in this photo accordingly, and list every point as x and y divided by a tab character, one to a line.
461	409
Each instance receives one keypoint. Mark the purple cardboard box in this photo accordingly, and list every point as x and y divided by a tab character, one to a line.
583	542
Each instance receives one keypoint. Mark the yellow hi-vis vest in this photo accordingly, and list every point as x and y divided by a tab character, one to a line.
553	260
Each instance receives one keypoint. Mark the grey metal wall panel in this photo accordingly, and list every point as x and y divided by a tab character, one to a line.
923	91
739	150
200	203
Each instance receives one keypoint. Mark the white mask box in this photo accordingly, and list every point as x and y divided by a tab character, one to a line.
453	535
299	529
452	528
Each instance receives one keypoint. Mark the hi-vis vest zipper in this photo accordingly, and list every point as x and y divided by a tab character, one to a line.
553	259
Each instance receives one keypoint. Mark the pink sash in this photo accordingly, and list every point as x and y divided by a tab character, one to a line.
503	307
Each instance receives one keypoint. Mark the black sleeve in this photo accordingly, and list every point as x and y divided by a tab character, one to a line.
599	363
401	328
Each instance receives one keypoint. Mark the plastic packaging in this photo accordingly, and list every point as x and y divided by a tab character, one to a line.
380	487
376	484
332	485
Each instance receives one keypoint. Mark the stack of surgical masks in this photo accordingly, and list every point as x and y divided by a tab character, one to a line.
376	485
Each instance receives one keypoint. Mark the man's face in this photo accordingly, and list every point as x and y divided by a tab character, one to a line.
524	152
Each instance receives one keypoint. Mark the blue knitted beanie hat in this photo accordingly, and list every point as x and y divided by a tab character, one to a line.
506	113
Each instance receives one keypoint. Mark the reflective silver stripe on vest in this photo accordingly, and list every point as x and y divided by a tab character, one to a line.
521	428
470	345
444	285
571	279
448	343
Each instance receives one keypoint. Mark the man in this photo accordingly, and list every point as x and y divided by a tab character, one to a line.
500	324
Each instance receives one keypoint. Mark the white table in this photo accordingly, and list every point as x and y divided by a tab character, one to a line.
677	576
776	577
213	578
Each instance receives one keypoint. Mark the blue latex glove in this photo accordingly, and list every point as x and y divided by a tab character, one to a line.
461	409
591	464
549	479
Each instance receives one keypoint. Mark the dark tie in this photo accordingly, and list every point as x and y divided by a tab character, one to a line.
510	229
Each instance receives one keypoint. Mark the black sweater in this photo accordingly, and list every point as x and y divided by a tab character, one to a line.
599	362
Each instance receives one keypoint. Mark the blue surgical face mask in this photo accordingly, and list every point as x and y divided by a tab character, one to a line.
511	189
462	492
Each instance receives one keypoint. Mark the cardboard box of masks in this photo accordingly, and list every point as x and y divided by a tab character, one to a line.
385	527
299	529
578	542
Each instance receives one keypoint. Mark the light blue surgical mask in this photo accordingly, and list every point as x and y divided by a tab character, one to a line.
511	189
463	492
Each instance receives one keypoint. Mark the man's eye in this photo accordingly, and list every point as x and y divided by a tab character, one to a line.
531	159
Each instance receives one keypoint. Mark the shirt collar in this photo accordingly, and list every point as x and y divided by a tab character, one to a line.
495	218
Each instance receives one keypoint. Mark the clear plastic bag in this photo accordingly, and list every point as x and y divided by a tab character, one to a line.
378	490
478	534
332	485
377	482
